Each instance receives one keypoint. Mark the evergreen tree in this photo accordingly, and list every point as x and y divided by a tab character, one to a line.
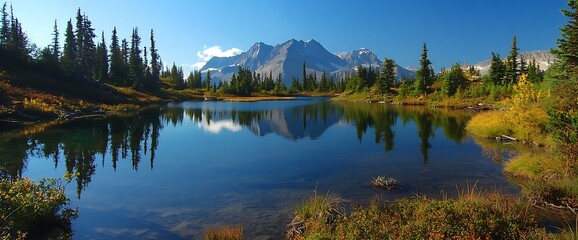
387	77
424	73
69	51
295	85
4	27
101	57
305	80
124	50
362	75
85	47
512	70
55	46
453	80
567	49
534	73
177	77
136	69
17	42
208	80
116	61
155	65
497	70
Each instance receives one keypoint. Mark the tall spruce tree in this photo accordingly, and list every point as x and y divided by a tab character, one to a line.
534	73
497	70
55	46
69	50
85	47
512	68
567	49
155	65
453	80
116	60
136	69
424	73
4	27
101	61
387	77
208	80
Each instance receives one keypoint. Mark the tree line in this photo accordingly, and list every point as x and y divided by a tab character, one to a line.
122	63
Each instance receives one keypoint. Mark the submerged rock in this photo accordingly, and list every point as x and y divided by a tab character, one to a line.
386	183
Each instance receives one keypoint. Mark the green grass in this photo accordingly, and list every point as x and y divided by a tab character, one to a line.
315	218
471	216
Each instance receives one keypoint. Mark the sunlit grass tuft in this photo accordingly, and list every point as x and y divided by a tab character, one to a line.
315	218
224	233
488	124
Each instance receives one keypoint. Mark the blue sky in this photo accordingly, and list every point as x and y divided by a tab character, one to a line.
188	32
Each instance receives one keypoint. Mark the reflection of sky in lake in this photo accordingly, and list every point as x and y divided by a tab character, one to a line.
209	168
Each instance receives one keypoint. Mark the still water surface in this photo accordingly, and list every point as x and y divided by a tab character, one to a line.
173	170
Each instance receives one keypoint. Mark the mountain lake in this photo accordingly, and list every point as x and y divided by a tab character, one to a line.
173	170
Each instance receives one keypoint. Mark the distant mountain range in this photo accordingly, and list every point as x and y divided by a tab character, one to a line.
542	57
287	59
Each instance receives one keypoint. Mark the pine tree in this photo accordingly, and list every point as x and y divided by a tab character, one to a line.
124	50
116	60
512	69
155	65
55	46
497	70
85	47
387	77
135	65
177	77
208	80
4	27
534	73
101	57
453	80
69	51
306	84
424	74
567	49
362	75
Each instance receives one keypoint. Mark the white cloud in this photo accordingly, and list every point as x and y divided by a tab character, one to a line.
214	51
215	127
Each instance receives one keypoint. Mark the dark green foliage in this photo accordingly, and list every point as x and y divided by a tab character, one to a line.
387	77
295	85
69	52
567	50
453	80
4	27
534	73
563	117
194	79
325	84
512	68
118	74
177	78
135	66
55	46
241	83
424	76
207	82
363	77
85	47
497	70
155	68
101	61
